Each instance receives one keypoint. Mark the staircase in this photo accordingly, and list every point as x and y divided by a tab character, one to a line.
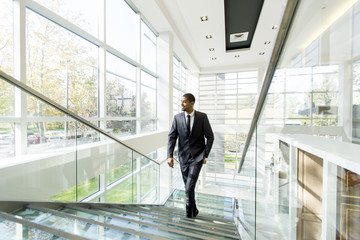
51	220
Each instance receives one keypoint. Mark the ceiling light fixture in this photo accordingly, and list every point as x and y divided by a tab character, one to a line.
261	53
213	58
211	49
204	18
274	27
208	36
267	42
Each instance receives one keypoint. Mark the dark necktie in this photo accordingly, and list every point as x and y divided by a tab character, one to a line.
188	123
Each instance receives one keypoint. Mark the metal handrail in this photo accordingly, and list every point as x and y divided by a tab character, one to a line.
275	56
47	100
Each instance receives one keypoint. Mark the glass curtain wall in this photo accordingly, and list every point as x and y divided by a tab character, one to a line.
229	101
314	91
57	48
180	87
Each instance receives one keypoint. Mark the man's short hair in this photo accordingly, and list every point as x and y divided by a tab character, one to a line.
189	97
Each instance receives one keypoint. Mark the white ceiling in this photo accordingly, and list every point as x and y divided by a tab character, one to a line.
182	19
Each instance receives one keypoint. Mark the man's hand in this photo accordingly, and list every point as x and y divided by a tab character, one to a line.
170	162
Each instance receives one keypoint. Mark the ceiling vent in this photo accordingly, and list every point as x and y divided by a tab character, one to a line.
239	37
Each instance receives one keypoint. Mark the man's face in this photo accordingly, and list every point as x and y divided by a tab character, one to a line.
186	105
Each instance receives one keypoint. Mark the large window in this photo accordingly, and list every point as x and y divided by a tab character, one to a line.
148	102
62	51
180	78
121	27
304	96
6	37
229	98
148	47
61	65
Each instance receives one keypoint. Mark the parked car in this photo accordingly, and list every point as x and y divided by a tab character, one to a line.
33	139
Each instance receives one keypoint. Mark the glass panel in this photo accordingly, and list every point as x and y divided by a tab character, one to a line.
148	47
12	230
298	105
148	181
121	128
83	13
124	192
148	95
61	65
120	89
7	140
344	202
6	37
119	163
121	26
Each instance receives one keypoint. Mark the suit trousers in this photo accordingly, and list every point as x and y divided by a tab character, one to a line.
190	173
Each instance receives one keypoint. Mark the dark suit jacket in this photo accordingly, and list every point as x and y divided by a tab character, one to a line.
193	143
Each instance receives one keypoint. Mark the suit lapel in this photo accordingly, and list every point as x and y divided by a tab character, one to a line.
196	120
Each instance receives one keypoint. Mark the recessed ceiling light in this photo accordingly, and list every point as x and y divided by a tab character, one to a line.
211	49
274	27
213	58
208	36
261	53
237	56
267	42
204	18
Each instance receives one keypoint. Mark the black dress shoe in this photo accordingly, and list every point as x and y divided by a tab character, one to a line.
196	213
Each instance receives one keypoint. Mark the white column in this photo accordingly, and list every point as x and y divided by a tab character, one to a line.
345	100
293	192
165	82
20	74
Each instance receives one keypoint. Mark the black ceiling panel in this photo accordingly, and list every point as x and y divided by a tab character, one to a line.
241	17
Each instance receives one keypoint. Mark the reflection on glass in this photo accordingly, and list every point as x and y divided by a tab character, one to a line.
121	22
6	37
348	204
61	65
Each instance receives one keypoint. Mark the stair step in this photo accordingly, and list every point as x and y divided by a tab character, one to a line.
157	213
50	220
168	229
77	225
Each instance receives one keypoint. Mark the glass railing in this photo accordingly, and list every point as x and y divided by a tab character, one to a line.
51	154
302	151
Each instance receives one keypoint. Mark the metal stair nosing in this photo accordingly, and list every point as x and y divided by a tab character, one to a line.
181	217
199	204
181	213
230	235
205	197
198	222
40	227
206	217
111	226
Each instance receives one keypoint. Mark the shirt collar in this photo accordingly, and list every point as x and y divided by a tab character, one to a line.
191	114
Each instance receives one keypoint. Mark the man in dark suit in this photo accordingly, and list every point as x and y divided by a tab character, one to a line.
191	127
